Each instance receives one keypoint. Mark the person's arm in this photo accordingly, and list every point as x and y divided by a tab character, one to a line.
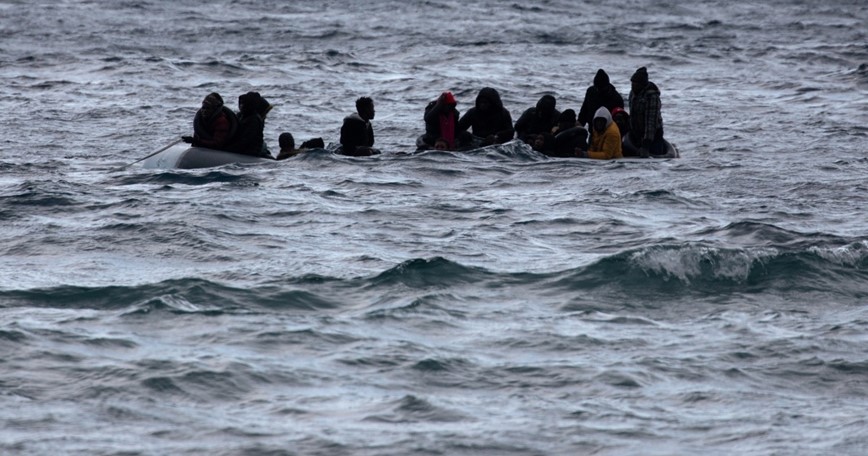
433	110
523	123
586	117
466	121
505	131
619	100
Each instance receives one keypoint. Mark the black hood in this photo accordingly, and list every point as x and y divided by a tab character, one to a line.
546	105
601	80
492	96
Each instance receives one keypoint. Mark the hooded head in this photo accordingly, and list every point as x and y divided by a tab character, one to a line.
603	114
490	97
253	103
601	80
212	103
567	119
449	99
546	105
213	100
640	77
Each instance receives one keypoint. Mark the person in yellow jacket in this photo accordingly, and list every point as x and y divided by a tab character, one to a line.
605	137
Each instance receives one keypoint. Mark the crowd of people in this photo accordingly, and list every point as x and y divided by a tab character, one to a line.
603	128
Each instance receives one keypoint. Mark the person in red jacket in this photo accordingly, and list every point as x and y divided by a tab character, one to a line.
214	124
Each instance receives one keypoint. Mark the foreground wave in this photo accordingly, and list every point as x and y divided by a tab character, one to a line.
663	270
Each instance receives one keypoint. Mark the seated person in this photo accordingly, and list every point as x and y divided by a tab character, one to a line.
605	138
249	139
569	137
357	134
622	120
488	120
539	119
441	122
214	124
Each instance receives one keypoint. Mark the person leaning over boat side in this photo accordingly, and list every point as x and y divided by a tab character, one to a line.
602	93
622	120
441	122
214	124
357	134
488	119
646	122
249	139
539	119
605	137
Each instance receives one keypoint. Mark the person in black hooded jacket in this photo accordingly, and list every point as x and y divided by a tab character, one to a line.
249	138
540	119
488	119
601	94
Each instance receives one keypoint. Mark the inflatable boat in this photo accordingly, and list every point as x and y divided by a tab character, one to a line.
185	157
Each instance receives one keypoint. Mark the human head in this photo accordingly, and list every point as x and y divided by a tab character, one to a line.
621	119
488	100
252	102
602	119
639	79
441	144
365	108
449	99
567	119
601	79
212	102
286	141
545	107
538	142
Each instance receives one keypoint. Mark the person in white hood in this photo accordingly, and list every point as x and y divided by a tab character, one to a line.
605	137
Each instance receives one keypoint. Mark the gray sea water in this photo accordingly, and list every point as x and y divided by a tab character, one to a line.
494	302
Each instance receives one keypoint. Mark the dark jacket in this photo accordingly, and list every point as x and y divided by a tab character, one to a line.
356	133
496	121
217	129
646	122
601	94
249	139
539	119
432	122
567	141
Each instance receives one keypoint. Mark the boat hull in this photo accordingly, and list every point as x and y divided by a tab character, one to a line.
197	157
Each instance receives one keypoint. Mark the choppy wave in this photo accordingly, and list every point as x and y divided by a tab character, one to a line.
666	271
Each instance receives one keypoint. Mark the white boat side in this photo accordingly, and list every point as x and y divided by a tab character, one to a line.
183	157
